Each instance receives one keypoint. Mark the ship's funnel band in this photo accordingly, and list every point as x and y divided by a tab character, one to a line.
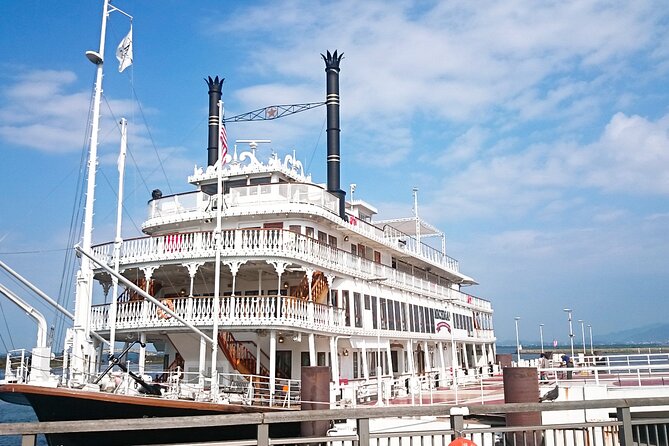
334	157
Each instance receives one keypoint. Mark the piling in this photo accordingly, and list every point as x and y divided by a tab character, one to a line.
315	395
521	385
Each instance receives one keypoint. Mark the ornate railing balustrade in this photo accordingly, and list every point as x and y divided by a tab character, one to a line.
287	197
233	311
272	243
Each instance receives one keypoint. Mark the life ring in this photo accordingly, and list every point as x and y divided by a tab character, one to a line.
162	314
462	442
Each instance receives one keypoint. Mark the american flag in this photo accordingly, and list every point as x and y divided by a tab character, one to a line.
224	143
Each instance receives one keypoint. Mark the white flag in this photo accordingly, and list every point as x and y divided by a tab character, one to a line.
124	52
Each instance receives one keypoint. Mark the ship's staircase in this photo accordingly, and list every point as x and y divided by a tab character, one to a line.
319	288
246	362
176	367
132	295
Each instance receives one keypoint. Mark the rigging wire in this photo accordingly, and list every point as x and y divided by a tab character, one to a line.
75	229
9	332
37	251
153	143
313	153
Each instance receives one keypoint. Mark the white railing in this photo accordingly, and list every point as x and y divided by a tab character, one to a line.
234	388
178	204
291	193
16	366
274	243
263	194
234	311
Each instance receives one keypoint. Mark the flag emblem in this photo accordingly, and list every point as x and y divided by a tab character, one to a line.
124	52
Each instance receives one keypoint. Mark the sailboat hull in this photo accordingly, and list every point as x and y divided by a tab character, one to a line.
61	404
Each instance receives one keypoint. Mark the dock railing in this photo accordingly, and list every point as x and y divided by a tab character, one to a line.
447	423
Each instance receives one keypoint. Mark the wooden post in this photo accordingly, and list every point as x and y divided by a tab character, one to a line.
28	440
625	432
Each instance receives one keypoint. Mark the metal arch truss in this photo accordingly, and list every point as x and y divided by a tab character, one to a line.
273	112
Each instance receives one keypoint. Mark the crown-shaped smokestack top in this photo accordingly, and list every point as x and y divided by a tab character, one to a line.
332	104
215	88
332	60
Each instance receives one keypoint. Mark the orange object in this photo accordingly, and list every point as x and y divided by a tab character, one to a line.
462	442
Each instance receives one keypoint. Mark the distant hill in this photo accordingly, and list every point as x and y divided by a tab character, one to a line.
648	334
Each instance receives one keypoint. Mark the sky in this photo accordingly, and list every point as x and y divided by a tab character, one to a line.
537	134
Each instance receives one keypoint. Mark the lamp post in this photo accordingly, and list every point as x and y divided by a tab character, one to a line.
571	331
541	334
583	335
517	340
592	351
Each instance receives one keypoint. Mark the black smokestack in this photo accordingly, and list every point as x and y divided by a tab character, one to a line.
333	130
215	87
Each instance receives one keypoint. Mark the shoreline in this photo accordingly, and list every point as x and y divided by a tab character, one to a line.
598	350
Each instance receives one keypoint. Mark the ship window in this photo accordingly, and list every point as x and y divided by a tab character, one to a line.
368	303
275	225
393	263
398	316
377	256
320	359
355	365
431	320
332	241
416	317
411	323
345	306
333	298
391	315
261	180
404	316
354	249
304	359
309	232
297	229
375	322
384	313
227	185
369	253
322	237
361	250
357	311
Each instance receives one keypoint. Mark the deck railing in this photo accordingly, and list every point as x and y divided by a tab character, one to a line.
234	311
258	243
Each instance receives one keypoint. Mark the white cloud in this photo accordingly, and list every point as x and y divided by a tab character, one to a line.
46	111
629	158
465	56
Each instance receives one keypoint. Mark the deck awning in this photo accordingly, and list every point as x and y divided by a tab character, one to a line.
408	226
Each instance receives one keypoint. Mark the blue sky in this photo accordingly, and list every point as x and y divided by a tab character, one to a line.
537	134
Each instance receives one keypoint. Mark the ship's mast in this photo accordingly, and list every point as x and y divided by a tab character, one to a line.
83	347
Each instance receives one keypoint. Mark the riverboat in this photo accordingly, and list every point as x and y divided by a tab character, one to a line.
249	282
